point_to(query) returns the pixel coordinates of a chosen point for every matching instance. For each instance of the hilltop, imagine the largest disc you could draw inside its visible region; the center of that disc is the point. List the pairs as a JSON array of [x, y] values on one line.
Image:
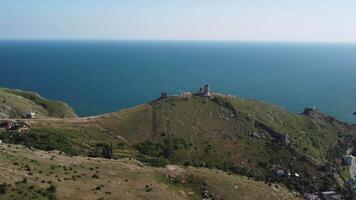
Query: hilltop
[[241, 136], [15, 103]]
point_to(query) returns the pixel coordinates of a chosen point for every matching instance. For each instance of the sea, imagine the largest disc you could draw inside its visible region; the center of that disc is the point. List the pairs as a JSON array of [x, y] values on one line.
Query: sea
[[96, 77]]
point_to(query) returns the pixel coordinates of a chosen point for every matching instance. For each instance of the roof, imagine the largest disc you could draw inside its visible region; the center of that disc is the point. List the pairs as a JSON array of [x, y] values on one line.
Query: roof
[[328, 192]]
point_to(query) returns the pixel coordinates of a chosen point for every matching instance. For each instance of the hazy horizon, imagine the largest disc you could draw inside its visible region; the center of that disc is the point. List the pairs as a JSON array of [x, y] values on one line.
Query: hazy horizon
[[212, 20], [170, 40]]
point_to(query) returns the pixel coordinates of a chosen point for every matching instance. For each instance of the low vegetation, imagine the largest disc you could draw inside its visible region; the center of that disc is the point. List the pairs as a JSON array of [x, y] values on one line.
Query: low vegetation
[[35, 174], [14, 103], [237, 136]]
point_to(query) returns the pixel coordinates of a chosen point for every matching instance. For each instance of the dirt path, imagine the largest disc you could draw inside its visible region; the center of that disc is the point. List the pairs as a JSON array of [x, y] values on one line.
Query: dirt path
[[49, 119], [353, 167]]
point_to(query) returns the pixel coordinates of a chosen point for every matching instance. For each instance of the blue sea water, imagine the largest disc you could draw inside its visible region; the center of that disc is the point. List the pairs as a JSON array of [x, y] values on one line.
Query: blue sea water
[[101, 76]]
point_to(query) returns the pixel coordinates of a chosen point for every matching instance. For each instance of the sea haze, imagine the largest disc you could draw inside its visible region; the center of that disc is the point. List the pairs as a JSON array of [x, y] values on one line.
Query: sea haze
[[102, 76]]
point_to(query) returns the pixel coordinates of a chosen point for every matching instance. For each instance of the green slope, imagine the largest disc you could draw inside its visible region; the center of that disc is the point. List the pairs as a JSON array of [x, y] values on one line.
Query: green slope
[[14, 103], [240, 136]]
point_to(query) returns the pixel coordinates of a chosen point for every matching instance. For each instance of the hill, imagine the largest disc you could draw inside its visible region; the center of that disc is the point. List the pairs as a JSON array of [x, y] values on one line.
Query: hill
[[14, 103], [254, 139], [34, 174]]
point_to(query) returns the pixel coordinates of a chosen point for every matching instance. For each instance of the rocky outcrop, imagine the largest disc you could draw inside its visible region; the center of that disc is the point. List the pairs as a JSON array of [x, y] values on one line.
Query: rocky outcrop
[[325, 120]]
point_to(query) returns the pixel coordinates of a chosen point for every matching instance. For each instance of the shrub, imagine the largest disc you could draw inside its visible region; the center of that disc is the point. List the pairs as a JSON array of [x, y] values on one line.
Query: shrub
[[148, 188], [101, 150], [51, 189], [3, 188], [95, 176]]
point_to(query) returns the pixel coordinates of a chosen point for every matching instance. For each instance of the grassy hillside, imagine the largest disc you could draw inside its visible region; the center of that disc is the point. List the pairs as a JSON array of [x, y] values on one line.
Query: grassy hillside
[[307, 132], [245, 137], [14, 103], [34, 174]]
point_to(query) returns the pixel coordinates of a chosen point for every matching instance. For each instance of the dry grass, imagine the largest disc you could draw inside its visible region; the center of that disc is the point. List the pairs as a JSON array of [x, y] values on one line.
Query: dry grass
[[87, 178]]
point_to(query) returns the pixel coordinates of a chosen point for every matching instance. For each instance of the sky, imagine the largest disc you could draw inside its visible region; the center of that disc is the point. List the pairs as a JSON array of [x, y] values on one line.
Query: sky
[[240, 20]]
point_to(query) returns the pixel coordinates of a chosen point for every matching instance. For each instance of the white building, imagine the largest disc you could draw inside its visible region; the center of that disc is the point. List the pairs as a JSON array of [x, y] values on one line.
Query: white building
[[31, 115]]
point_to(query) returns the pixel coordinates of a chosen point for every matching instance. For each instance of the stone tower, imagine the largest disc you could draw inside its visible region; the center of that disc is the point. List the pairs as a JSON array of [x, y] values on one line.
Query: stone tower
[[206, 91]]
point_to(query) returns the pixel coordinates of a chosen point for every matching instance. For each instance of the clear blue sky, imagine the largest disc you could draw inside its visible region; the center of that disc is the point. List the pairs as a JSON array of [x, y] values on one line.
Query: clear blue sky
[[247, 20]]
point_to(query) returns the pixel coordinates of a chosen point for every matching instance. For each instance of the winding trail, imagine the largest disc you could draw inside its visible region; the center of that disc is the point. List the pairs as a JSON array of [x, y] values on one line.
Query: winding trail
[[78, 119], [353, 167]]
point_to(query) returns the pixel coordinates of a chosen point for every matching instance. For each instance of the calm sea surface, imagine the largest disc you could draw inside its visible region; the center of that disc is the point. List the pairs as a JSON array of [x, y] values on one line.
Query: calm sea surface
[[97, 77]]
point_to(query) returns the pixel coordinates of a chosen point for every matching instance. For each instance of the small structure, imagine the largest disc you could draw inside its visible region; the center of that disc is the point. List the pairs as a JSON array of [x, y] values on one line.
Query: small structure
[[15, 127], [330, 195], [283, 173], [280, 173], [164, 95], [6, 124], [347, 160], [30, 115], [186, 94], [310, 196], [204, 92]]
